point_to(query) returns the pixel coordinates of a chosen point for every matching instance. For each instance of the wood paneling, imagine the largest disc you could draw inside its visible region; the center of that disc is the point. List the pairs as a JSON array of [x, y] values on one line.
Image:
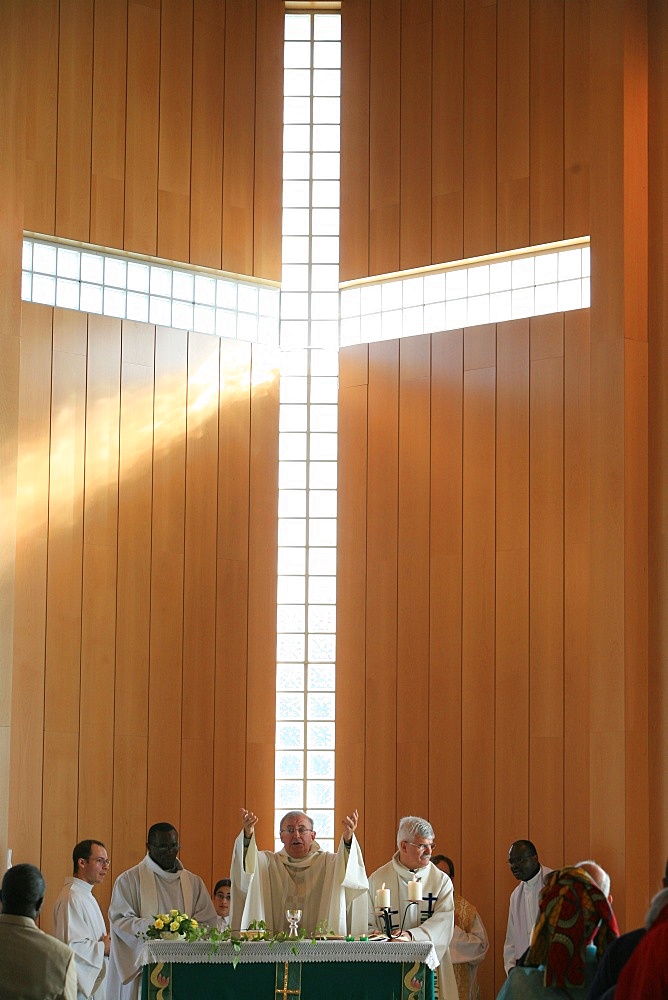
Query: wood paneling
[[447, 139], [141, 127], [175, 129], [384, 137], [416, 160], [512, 165], [208, 87], [547, 121], [480, 129], [75, 98], [268, 140], [40, 26], [355, 43], [108, 124]]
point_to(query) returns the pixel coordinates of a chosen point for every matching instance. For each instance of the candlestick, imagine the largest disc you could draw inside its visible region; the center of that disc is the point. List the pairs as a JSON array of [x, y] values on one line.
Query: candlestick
[[415, 890]]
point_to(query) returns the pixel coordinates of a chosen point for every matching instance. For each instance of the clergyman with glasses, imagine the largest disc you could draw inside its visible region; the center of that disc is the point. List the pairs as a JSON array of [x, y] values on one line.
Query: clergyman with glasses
[[523, 909], [78, 920], [329, 889], [158, 884], [421, 898]]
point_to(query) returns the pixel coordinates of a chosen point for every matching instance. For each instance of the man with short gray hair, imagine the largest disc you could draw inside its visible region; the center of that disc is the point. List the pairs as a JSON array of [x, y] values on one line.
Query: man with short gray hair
[[422, 895]]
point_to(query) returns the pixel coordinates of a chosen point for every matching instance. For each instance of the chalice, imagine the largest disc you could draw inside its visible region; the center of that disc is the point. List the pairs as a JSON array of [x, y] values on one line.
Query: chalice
[[294, 916]]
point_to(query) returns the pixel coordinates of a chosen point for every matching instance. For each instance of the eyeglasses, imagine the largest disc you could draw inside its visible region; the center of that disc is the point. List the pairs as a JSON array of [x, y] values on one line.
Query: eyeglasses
[[102, 862], [223, 895], [301, 830], [422, 847]]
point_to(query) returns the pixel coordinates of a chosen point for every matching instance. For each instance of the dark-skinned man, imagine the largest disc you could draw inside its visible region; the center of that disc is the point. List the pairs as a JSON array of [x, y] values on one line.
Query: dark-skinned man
[[523, 909]]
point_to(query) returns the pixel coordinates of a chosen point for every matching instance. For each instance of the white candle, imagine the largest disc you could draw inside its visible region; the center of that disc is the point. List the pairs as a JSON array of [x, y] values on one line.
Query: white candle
[[383, 898], [415, 890]]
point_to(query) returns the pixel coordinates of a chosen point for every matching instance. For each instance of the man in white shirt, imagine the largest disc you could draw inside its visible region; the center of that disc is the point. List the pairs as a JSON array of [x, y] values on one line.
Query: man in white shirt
[[78, 920], [523, 909]]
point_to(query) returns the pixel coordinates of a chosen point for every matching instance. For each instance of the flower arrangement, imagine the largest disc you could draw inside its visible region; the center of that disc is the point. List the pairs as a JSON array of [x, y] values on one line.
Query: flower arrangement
[[173, 925]]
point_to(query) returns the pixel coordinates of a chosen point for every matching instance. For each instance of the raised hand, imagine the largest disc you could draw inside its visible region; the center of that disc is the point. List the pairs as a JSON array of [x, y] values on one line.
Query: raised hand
[[249, 820], [350, 825]]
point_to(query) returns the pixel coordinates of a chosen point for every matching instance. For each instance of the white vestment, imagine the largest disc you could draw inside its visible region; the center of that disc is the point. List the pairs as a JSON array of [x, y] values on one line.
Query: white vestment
[[139, 894], [78, 921], [329, 889], [437, 928], [522, 913]]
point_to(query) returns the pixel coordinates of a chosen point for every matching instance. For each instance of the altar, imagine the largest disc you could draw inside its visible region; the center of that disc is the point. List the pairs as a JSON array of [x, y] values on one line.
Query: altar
[[307, 970]]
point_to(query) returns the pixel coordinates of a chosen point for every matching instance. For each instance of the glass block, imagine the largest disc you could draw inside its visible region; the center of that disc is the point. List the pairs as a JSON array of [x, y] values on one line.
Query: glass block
[[325, 249], [44, 289], [324, 334], [226, 323], [370, 299], [297, 54], [296, 27], [413, 321], [67, 293], [323, 447], [325, 364], [586, 293], [286, 793], [456, 284], [327, 83], [138, 276], [322, 561], [321, 618], [92, 268], [290, 764], [569, 265], [478, 280], [290, 618], [296, 222], [321, 648], [291, 589], [323, 418], [325, 278], [26, 255], [324, 305], [326, 54], [161, 280], [247, 327], [226, 294], [289, 736], [290, 677], [291, 447], [434, 287], [295, 249], [321, 676], [326, 138], [391, 325], [545, 299], [391, 297], [323, 475], [569, 295], [320, 735], [294, 335], [294, 277], [455, 314], [327, 26], [115, 272], [351, 331], [478, 310], [91, 298], [269, 302], [434, 317], [297, 138], [247, 298], [326, 844], [292, 503], [291, 561], [44, 258], [586, 262], [322, 531], [182, 315], [326, 166], [268, 330], [292, 475], [327, 110], [413, 292], [26, 286], [323, 823], [523, 272], [292, 417], [292, 531], [322, 590], [319, 794], [500, 306], [204, 319], [296, 166], [500, 276], [320, 764], [296, 83], [289, 707], [183, 285], [297, 110], [546, 268], [205, 290], [322, 503], [522, 302], [320, 705], [294, 305], [350, 302], [69, 261], [296, 194], [114, 302]]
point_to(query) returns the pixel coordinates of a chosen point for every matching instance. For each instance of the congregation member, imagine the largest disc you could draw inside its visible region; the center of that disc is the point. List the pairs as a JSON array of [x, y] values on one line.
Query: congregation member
[[523, 907], [574, 926], [469, 943], [33, 965], [157, 884], [433, 918], [645, 975], [221, 899], [78, 920], [329, 889]]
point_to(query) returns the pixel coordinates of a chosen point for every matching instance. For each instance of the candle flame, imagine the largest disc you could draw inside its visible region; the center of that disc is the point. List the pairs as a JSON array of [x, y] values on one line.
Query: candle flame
[[383, 886]]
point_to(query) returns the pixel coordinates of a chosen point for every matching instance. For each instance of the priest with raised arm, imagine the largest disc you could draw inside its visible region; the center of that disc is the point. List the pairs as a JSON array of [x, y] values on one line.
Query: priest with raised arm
[[329, 889], [158, 884]]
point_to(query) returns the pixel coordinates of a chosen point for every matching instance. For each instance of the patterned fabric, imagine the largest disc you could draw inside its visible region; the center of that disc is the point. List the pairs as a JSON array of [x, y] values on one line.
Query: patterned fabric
[[465, 914], [573, 911]]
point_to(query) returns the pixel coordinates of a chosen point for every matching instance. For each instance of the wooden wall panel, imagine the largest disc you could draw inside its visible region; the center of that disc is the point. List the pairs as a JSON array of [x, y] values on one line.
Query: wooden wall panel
[[547, 121], [75, 87], [141, 127], [268, 140], [41, 40], [577, 172], [59, 814], [175, 129], [416, 74], [355, 133], [447, 139], [480, 130], [108, 124], [208, 88], [512, 165], [384, 137]]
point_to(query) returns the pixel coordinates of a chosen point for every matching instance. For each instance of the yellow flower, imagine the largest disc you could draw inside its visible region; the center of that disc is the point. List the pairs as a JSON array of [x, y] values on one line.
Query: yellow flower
[[193, 922], [173, 913], [158, 924], [174, 926]]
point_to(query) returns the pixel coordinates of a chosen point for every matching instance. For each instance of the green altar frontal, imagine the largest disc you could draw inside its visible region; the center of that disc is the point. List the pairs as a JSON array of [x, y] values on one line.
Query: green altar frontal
[[336, 970]]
